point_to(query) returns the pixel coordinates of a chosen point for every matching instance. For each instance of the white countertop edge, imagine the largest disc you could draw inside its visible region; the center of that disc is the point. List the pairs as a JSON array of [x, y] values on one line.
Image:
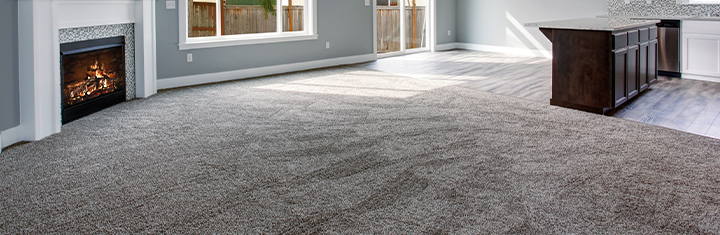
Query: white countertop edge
[[578, 24]]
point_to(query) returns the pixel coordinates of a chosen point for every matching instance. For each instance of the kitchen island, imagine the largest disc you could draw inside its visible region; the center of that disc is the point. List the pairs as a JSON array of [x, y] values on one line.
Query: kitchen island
[[600, 64]]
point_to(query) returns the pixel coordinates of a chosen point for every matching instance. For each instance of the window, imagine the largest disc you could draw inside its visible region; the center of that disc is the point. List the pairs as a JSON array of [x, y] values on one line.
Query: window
[[401, 25], [217, 23]]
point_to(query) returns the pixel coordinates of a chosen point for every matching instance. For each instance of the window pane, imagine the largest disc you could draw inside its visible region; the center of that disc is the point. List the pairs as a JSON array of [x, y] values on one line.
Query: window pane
[[249, 16], [415, 24], [293, 15], [388, 26], [387, 2], [201, 18]]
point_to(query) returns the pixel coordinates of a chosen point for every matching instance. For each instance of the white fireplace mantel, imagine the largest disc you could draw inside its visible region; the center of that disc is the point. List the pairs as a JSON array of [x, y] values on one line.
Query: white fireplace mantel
[[39, 55]]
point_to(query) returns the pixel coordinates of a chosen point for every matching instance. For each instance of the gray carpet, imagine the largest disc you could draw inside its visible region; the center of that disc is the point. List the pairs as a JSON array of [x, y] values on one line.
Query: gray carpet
[[352, 150]]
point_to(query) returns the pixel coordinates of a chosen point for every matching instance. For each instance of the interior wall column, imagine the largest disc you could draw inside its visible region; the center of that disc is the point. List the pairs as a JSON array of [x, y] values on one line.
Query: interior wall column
[[39, 109]]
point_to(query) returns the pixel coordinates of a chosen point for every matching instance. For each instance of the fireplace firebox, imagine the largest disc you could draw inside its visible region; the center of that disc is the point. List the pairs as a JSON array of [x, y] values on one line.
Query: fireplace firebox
[[93, 76]]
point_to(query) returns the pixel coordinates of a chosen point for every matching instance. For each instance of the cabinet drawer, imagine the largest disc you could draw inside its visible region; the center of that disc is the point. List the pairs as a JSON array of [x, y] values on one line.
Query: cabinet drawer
[[653, 33], [701, 27], [644, 35], [633, 37], [620, 40]]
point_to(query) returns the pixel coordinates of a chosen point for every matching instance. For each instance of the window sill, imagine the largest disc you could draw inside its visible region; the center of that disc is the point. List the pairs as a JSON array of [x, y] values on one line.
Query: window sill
[[212, 42]]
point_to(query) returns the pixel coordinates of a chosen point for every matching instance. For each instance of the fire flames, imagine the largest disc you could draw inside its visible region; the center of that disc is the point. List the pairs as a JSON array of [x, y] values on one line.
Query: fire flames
[[97, 82]]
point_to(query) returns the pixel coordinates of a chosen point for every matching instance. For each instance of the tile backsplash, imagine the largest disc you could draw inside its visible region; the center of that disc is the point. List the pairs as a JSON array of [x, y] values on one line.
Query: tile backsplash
[[659, 8]]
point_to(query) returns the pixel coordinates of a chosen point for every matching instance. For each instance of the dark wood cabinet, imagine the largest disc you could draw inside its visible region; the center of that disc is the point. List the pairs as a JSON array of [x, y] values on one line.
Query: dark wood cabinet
[[598, 71], [628, 64]]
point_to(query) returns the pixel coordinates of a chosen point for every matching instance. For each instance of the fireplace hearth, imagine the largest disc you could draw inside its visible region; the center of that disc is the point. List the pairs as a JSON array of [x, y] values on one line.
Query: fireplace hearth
[[93, 76]]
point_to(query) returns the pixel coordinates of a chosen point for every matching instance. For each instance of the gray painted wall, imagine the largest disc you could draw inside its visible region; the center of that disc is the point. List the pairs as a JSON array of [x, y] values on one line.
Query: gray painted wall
[[346, 24], [9, 78], [489, 22], [446, 20]]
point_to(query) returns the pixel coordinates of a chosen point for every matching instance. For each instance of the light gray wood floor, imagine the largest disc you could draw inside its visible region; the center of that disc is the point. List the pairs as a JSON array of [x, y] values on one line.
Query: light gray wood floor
[[681, 104], [518, 76]]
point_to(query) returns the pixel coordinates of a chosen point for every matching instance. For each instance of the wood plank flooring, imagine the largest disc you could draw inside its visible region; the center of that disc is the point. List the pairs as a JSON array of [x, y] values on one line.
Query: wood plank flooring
[[682, 104], [518, 76]]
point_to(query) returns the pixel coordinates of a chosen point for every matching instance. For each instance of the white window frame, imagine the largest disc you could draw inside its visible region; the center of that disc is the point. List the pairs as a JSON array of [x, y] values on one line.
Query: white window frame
[[188, 43]]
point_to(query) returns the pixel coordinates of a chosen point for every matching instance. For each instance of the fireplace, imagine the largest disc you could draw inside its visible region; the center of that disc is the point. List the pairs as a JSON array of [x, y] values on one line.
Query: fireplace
[[44, 25], [93, 76]]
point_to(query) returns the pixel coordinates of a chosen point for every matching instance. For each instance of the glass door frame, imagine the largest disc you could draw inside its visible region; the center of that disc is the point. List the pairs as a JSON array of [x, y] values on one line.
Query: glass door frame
[[430, 15]]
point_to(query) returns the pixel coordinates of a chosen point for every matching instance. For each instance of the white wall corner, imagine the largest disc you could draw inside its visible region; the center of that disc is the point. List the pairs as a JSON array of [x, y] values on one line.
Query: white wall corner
[[446, 46], [39, 99], [11, 136], [145, 60]]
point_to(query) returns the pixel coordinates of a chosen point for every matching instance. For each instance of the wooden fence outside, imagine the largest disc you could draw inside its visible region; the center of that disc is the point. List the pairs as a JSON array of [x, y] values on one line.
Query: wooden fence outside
[[202, 22], [251, 19], [239, 19], [388, 28]]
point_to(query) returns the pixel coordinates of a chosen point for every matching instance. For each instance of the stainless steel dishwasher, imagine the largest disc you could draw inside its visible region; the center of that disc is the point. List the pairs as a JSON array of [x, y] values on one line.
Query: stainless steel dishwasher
[[669, 48]]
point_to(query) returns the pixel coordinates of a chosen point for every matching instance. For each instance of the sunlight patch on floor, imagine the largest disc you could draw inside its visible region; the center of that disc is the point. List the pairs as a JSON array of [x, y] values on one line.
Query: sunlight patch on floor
[[361, 83]]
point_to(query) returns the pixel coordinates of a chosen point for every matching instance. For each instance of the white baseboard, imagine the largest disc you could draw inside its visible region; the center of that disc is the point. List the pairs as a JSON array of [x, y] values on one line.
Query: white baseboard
[[701, 77], [257, 72], [446, 46], [10, 136], [506, 50]]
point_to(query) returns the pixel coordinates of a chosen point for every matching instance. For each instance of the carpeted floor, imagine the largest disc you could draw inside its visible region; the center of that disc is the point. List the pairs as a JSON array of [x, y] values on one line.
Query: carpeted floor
[[352, 150]]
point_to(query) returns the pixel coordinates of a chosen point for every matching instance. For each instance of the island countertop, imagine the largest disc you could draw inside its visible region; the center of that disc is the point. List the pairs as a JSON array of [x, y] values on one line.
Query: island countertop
[[597, 24], [665, 17]]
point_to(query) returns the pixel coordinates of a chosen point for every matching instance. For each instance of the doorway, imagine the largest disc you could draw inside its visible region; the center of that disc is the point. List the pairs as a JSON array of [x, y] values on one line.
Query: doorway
[[402, 31]]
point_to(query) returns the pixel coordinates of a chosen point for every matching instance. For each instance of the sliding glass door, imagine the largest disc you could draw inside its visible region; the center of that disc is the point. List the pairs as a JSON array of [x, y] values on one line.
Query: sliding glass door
[[401, 30], [415, 24]]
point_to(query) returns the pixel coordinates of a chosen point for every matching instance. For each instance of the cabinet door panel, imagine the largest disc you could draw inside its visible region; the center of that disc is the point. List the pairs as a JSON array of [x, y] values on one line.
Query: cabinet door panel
[[701, 48], [643, 67], [619, 75], [652, 61], [702, 54], [631, 72]]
